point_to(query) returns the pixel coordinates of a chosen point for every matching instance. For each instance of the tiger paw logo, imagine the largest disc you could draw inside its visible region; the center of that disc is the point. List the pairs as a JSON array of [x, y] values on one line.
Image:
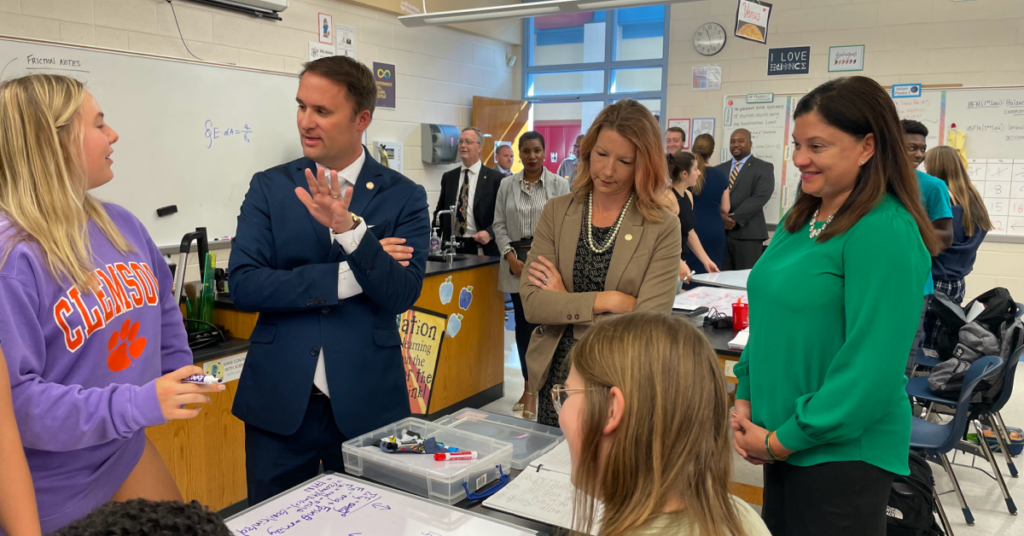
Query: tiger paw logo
[[123, 343]]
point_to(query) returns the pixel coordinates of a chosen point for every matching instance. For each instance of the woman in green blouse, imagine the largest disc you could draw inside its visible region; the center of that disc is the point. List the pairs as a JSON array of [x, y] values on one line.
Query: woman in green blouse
[[834, 302]]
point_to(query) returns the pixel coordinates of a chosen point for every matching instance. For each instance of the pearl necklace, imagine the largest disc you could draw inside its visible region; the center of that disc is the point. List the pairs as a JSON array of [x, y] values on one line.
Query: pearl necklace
[[615, 230], [816, 232]]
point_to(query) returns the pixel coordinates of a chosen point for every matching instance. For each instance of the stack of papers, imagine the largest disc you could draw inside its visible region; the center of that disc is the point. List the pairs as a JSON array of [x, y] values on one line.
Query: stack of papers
[[542, 492], [740, 342], [720, 299]]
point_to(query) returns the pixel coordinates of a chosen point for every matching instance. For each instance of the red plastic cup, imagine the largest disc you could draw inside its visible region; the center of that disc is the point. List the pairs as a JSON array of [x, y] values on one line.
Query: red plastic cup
[[740, 316]]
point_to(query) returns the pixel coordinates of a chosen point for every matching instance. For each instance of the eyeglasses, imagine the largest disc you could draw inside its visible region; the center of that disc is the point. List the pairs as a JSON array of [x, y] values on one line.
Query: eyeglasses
[[575, 146], [559, 394], [468, 142]]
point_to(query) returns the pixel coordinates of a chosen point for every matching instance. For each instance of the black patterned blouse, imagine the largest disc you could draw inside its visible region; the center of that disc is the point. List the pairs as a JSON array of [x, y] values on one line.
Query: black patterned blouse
[[589, 271]]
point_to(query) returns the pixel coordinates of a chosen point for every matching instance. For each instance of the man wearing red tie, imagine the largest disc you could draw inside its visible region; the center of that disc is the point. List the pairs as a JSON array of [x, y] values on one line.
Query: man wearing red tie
[[751, 183], [473, 189]]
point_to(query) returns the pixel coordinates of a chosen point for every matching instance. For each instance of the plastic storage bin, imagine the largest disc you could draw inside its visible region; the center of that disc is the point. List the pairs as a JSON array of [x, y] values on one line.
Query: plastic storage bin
[[419, 473], [529, 440]]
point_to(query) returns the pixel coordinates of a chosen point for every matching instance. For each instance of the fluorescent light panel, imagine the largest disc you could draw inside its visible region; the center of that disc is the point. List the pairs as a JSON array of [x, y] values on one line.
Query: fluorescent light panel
[[518, 11]]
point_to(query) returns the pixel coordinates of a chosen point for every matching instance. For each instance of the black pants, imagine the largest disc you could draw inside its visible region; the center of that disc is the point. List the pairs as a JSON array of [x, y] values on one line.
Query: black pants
[[524, 330], [276, 463], [469, 247], [741, 254], [829, 499]]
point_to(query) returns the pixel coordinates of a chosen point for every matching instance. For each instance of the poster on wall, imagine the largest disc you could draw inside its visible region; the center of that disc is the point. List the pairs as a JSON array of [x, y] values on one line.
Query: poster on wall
[[752, 20], [346, 36], [789, 60], [422, 333], [685, 125], [317, 51], [384, 75], [325, 26], [704, 126], [707, 78], [846, 58]]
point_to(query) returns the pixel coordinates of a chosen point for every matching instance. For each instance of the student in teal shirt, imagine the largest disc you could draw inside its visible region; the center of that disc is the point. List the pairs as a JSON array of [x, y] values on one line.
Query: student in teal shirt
[[820, 400], [935, 198]]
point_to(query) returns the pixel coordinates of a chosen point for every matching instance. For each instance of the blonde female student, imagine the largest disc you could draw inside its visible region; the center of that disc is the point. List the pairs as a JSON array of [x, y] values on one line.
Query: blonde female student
[[95, 344], [645, 415], [970, 225]]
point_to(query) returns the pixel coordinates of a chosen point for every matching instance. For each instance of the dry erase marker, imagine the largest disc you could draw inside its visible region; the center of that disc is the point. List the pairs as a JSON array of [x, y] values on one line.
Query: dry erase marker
[[451, 456], [202, 379]]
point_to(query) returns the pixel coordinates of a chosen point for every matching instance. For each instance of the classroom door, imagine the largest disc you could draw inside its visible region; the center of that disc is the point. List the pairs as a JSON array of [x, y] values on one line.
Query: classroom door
[[501, 120]]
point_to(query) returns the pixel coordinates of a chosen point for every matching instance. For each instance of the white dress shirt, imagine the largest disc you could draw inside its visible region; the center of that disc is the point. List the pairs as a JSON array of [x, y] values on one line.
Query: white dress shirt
[[474, 177], [349, 241]]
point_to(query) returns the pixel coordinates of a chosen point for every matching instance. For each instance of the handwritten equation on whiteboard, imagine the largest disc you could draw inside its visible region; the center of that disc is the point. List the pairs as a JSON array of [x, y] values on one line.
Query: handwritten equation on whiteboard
[[214, 132]]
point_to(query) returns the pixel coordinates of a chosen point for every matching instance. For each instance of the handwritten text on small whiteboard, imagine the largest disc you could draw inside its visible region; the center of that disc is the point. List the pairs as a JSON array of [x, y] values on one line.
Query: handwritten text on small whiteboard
[[333, 505]]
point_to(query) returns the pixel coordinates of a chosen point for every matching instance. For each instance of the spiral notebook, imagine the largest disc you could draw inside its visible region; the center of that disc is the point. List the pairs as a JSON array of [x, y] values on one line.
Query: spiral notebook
[[542, 492]]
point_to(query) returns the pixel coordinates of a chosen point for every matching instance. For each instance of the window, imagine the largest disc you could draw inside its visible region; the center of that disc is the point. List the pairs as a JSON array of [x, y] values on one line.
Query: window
[[565, 83], [577, 63]]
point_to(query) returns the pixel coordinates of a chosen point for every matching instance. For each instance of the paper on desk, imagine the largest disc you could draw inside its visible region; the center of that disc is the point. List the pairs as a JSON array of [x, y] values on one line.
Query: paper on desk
[[740, 342], [556, 460], [544, 496], [720, 299]]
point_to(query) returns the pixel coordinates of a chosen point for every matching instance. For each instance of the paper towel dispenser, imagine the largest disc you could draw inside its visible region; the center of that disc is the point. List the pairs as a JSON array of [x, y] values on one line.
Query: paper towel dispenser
[[439, 143]]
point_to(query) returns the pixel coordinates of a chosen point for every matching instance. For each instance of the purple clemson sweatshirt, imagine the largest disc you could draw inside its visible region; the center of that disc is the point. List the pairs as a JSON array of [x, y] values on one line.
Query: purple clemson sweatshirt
[[83, 365]]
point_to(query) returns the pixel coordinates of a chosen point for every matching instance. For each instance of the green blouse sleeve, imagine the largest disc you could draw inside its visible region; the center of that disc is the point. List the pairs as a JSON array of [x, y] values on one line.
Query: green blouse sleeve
[[884, 265], [742, 372]]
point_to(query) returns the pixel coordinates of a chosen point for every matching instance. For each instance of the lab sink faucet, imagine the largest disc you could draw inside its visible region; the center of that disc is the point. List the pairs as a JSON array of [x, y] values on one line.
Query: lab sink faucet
[[452, 243]]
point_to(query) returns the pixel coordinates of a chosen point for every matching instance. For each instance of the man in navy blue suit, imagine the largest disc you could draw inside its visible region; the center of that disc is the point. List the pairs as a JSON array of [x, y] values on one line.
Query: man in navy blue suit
[[329, 249]]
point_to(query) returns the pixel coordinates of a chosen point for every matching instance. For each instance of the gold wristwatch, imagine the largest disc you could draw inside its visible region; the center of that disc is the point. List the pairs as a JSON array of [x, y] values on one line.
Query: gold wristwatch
[[356, 220]]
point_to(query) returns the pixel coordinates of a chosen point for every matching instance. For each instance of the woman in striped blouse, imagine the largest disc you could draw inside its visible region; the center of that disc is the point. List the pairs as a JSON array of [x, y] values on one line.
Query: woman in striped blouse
[[521, 199]]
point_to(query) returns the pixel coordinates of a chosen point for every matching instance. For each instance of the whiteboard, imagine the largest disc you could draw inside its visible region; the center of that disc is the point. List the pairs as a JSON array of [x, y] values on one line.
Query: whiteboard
[[192, 134], [992, 118], [334, 505]]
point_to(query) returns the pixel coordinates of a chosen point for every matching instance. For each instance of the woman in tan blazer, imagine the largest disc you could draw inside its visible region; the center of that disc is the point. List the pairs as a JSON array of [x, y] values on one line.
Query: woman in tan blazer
[[607, 249]]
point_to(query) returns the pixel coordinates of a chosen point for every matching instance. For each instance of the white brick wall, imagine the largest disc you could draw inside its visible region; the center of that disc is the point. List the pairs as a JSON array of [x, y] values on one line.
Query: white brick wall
[[440, 70], [979, 43]]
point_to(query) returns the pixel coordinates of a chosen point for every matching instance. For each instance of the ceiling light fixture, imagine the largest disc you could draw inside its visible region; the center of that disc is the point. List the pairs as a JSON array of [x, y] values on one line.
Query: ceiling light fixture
[[519, 11]]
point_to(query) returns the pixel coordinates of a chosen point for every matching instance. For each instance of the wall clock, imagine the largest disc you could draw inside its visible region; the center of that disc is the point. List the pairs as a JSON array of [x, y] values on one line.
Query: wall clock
[[709, 39]]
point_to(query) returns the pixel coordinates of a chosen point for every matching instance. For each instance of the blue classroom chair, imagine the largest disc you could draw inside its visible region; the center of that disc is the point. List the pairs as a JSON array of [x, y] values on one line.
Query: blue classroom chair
[[936, 440]]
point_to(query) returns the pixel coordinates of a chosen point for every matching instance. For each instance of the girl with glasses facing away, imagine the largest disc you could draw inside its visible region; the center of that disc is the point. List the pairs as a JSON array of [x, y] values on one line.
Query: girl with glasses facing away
[[645, 413]]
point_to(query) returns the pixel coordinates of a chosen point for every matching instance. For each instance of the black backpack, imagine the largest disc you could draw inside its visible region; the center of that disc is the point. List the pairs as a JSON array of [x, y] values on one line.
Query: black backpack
[[911, 503], [999, 308], [995, 331]]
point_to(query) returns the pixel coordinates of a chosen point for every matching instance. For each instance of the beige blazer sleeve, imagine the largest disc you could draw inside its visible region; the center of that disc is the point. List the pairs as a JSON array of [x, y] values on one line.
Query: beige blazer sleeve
[[544, 306], [656, 291]]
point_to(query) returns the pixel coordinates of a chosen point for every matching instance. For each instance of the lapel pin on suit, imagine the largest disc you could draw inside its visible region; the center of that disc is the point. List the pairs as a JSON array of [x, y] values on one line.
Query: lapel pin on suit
[[629, 237], [369, 186]]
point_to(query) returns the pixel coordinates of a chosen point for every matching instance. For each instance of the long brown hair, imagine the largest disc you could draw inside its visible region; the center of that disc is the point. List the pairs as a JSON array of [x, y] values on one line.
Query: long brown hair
[[43, 180], [945, 163], [674, 440], [633, 121], [859, 106], [703, 147]]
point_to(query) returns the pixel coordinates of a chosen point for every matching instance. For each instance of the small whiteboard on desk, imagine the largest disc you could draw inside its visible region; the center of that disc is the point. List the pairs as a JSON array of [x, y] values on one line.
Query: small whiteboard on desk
[[334, 505]]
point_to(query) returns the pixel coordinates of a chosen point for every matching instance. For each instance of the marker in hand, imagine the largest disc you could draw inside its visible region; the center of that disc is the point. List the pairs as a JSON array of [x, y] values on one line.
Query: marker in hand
[[452, 456], [201, 379]]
